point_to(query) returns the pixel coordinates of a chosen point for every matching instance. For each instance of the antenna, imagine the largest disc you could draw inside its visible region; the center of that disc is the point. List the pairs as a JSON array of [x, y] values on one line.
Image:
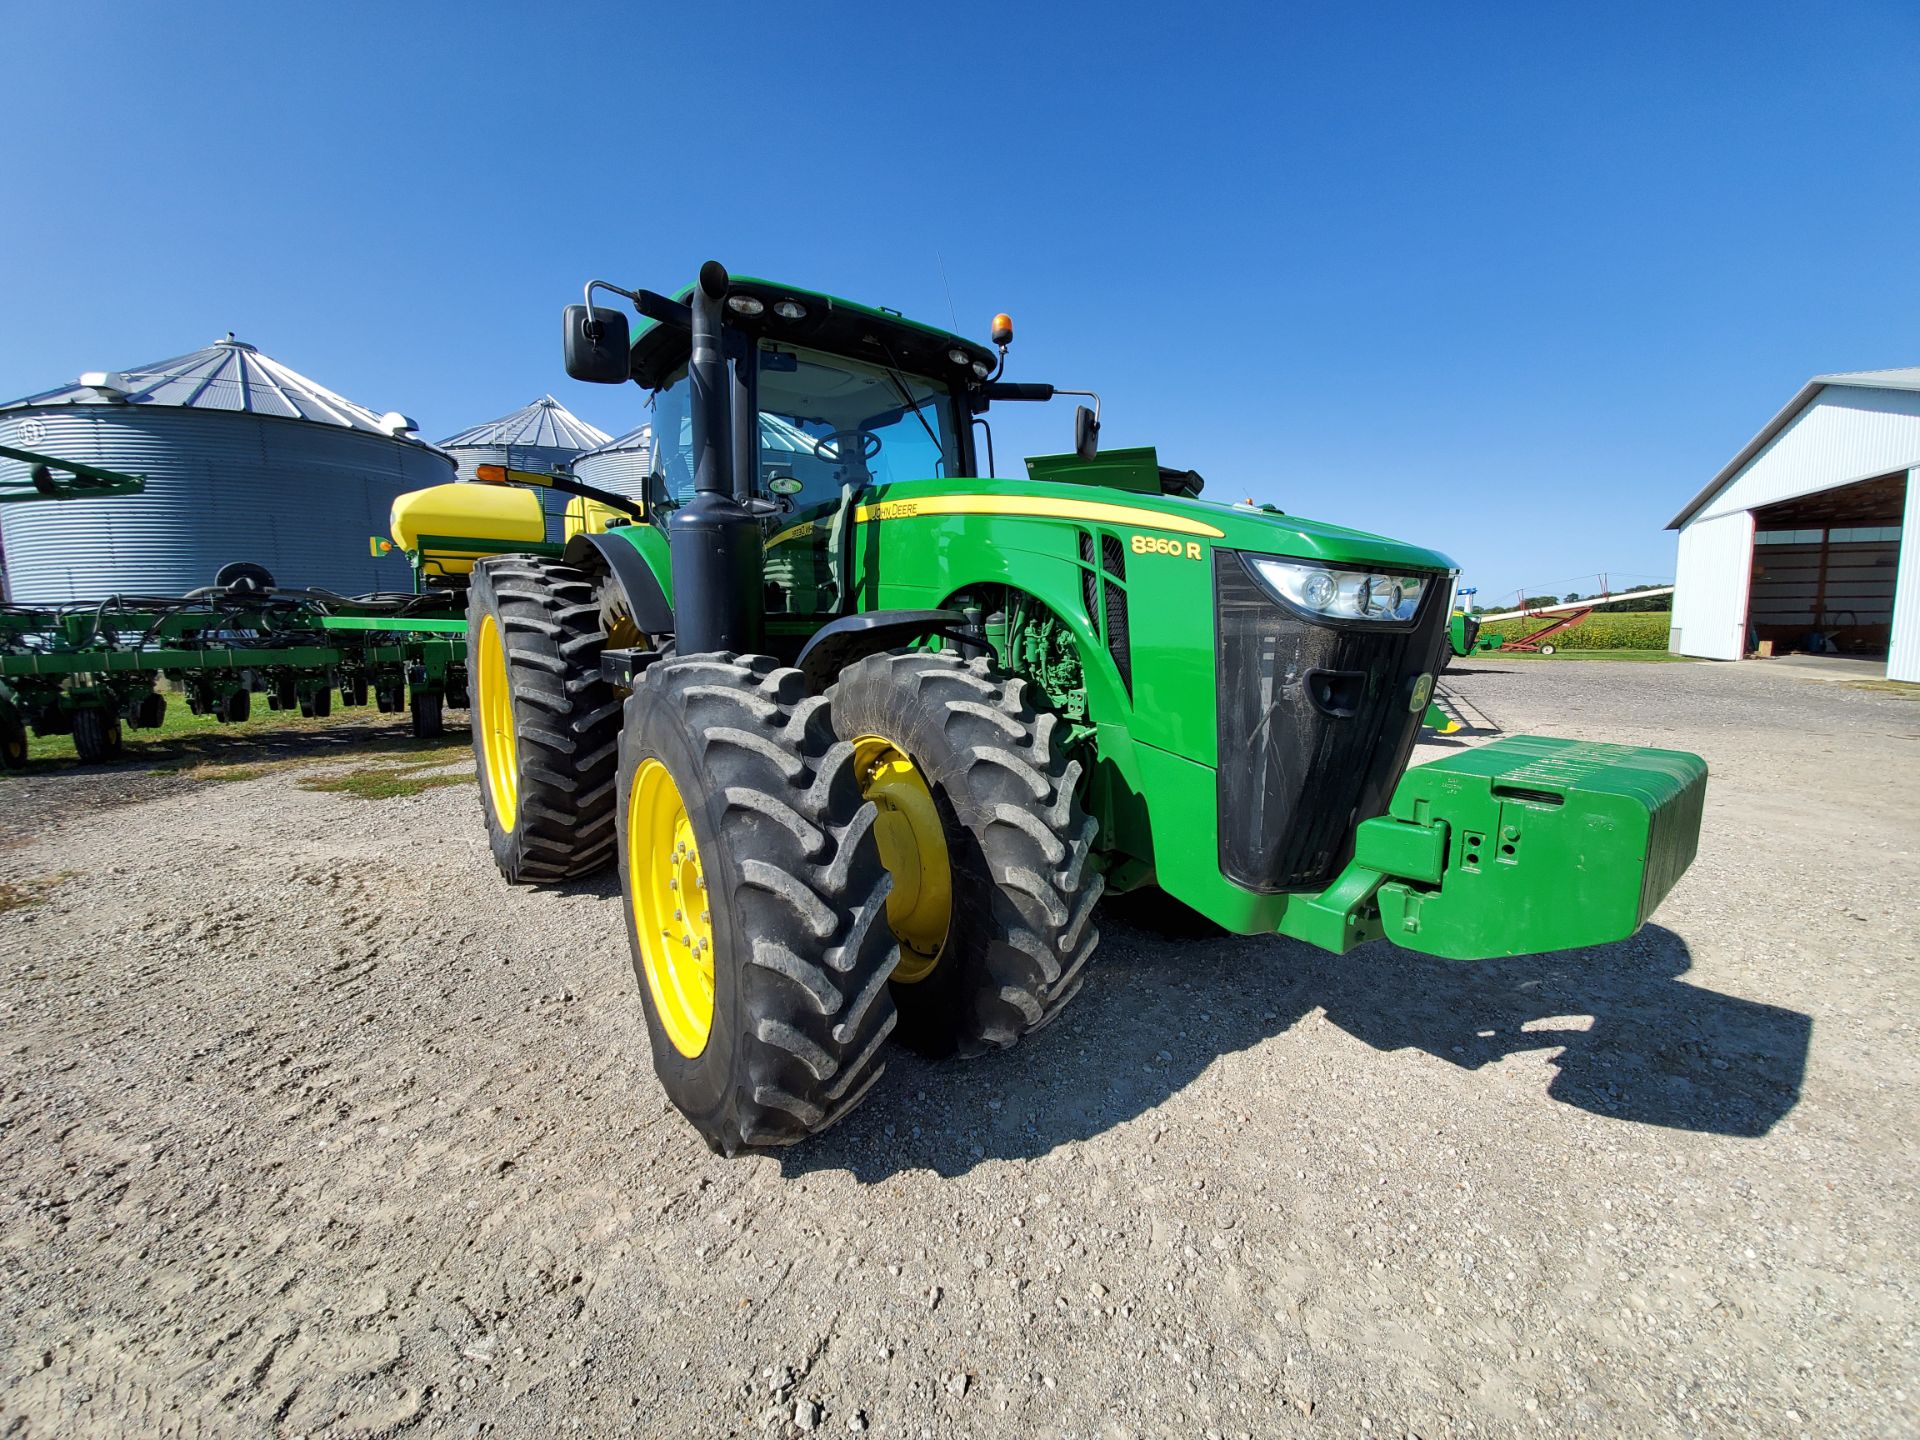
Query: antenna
[[949, 289]]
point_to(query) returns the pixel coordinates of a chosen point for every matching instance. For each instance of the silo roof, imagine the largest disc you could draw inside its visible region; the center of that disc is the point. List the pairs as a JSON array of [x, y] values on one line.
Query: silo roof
[[545, 424], [227, 375]]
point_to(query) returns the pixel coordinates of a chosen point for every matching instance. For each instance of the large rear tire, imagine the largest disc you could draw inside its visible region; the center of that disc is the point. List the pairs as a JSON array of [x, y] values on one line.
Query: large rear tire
[[1004, 837], [546, 727], [755, 900]]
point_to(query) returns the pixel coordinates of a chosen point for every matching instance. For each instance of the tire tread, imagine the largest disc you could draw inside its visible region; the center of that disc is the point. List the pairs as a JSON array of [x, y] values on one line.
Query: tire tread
[[566, 717], [814, 1007]]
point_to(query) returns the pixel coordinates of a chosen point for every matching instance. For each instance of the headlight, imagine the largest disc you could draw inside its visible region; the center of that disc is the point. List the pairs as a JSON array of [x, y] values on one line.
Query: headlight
[[744, 305], [1340, 594]]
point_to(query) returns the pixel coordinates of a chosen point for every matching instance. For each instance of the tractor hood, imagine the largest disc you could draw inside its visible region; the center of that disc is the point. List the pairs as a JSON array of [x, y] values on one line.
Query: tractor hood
[[1134, 479]]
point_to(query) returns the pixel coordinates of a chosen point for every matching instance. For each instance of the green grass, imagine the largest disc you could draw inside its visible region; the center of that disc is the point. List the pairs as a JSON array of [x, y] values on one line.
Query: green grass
[[1903, 689], [390, 782], [202, 748], [1643, 657], [387, 782], [182, 723]]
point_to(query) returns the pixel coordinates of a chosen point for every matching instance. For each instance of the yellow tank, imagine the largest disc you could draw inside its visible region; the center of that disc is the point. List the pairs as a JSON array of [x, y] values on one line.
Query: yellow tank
[[465, 511], [592, 517]]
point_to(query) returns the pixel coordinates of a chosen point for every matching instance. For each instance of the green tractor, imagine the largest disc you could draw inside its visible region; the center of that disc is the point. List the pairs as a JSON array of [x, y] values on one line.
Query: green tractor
[[868, 732]]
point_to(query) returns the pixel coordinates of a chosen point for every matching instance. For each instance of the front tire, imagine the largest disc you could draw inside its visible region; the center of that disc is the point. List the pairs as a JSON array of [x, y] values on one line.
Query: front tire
[[429, 715], [13, 738], [1011, 836], [96, 735], [755, 900], [546, 727]]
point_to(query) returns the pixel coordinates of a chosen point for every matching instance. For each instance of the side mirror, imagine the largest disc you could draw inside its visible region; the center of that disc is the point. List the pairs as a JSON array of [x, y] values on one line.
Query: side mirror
[[597, 346], [1086, 433]]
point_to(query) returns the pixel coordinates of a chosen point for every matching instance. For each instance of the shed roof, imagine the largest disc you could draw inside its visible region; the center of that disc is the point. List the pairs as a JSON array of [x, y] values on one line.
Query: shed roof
[[1905, 378], [546, 424], [226, 375]]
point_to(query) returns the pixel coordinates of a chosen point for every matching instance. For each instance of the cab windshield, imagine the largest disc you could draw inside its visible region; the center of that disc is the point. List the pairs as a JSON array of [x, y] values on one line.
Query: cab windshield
[[826, 421]]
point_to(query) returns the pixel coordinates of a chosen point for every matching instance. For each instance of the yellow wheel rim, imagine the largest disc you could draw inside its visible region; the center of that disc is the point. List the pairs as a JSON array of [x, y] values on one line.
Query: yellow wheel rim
[[913, 847], [671, 913], [498, 760]]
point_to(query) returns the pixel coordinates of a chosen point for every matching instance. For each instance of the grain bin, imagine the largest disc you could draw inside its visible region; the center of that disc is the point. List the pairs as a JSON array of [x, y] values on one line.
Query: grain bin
[[619, 465], [244, 458], [535, 437]]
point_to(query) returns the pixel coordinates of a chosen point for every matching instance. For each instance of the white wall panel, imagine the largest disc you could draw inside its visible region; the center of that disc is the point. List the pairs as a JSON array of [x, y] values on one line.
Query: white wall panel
[[1710, 587], [1903, 652]]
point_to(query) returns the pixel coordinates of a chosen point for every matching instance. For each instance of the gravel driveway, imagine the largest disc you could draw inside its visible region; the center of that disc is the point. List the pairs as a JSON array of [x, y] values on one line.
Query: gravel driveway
[[309, 1126]]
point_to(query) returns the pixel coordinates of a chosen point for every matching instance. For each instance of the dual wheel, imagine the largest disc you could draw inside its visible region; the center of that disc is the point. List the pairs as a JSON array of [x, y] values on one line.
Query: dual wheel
[[97, 736], [804, 875]]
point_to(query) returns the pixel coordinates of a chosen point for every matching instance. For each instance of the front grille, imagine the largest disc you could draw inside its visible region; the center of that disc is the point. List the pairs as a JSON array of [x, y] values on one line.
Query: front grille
[[1315, 727]]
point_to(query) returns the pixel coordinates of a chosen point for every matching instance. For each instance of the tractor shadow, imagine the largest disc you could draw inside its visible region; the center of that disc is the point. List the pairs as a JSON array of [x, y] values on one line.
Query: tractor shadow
[[1637, 1043], [1468, 739]]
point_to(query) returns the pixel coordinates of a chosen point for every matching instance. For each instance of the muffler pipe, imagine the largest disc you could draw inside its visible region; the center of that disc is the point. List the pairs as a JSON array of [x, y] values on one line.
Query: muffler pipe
[[708, 384], [715, 542]]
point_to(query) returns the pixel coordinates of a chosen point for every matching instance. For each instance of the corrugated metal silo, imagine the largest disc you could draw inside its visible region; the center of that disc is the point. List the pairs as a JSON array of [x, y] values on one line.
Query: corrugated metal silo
[[245, 459], [619, 465], [535, 437]]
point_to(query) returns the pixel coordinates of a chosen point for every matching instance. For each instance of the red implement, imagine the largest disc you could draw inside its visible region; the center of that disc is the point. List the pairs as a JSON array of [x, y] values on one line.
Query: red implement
[[1537, 642]]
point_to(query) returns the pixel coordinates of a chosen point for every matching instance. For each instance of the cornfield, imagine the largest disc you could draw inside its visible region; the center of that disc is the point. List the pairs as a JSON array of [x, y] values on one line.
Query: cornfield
[[1643, 631]]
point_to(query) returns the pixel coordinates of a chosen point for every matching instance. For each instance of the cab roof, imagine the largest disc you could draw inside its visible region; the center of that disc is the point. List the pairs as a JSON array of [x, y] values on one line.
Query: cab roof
[[840, 327]]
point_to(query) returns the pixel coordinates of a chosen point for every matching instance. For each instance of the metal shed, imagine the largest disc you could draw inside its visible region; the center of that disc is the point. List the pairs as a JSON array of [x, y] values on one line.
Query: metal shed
[[534, 437], [244, 458], [1798, 542]]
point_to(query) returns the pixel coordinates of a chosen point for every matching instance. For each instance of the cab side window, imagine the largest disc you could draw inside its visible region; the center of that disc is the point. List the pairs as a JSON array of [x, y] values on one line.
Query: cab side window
[[671, 479]]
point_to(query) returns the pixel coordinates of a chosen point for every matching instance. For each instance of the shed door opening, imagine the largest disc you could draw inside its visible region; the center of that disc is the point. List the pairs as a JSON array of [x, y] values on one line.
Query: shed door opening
[[1824, 568]]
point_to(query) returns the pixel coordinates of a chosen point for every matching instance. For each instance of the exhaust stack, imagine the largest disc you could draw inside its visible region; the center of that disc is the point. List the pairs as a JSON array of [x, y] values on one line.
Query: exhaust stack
[[719, 600]]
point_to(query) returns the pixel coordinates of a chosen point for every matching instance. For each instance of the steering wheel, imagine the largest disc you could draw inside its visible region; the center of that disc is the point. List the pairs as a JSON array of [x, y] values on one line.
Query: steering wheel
[[867, 445]]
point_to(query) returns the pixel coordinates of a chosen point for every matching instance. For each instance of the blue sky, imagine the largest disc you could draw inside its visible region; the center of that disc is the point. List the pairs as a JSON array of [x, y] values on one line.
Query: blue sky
[[1513, 281]]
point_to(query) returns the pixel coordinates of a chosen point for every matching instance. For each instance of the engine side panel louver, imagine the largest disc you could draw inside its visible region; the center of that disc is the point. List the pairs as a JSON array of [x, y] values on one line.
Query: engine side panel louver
[[1114, 561], [1089, 580]]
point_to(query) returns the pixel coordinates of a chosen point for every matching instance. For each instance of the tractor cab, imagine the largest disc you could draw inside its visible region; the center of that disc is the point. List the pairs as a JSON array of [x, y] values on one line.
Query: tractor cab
[[843, 395], [824, 423]]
